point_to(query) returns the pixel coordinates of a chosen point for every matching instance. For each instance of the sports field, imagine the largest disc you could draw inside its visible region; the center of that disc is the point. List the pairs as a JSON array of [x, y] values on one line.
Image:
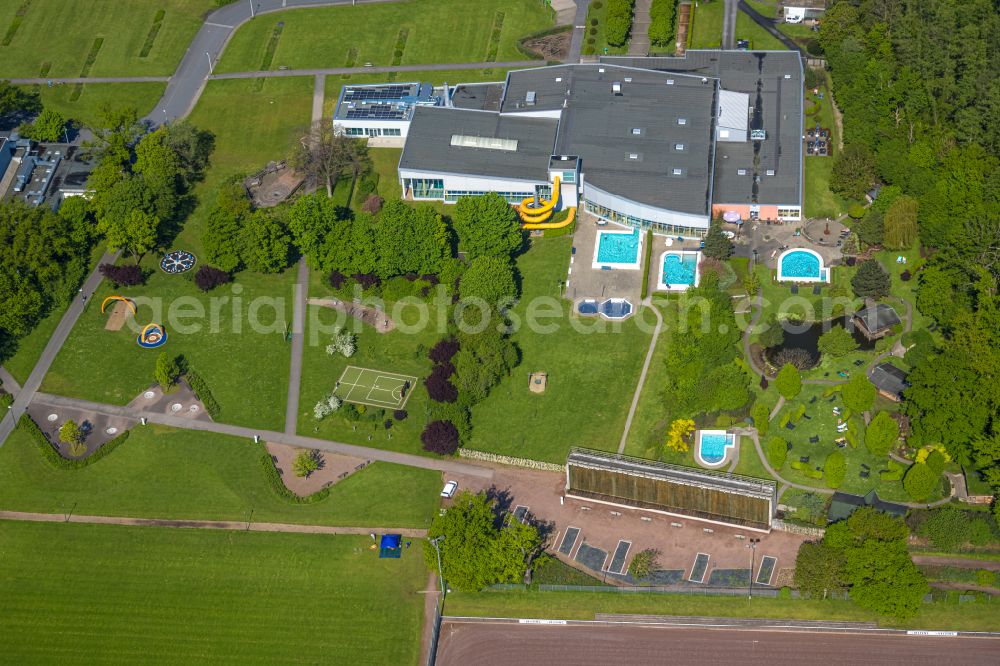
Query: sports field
[[376, 388], [76, 593]]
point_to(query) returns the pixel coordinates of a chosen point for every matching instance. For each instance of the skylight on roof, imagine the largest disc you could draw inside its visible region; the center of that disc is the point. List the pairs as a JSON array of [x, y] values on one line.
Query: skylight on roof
[[488, 142], [741, 172], [670, 82], [682, 121], [677, 171], [637, 131], [633, 156]]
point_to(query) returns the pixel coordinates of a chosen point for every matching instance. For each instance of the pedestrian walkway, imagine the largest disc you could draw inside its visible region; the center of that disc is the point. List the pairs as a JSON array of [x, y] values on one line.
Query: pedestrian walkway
[[579, 31], [298, 339], [233, 525], [638, 44]]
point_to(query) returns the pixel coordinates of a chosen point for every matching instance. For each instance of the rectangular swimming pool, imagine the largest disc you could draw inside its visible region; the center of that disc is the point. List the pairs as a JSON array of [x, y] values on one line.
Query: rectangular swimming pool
[[618, 249], [679, 270]]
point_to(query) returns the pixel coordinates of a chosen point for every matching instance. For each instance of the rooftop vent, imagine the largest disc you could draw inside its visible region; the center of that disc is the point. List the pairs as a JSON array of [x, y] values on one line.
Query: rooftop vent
[[628, 79], [677, 171], [637, 131], [670, 82], [530, 97], [558, 79], [616, 88], [600, 70], [788, 76], [770, 172], [682, 121], [704, 79], [488, 142], [634, 156], [741, 172]]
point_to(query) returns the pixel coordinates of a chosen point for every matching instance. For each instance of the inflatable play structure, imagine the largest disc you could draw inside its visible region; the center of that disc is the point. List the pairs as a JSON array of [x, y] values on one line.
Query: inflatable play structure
[[536, 214], [122, 299], [152, 336]]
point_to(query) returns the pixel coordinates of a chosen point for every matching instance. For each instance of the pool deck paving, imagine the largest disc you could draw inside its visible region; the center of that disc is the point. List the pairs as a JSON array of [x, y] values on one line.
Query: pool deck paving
[[584, 281]]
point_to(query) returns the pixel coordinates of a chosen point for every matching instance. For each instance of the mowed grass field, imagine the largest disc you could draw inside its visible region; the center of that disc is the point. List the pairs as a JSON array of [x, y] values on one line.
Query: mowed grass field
[[181, 474], [439, 31], [54, 37], [252, 127], [87, 108], [100, 593], [707, 28], [240, 351], [592, 373]]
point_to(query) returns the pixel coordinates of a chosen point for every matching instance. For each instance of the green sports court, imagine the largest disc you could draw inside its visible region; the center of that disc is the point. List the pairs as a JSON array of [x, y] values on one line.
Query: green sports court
[[375, 388]]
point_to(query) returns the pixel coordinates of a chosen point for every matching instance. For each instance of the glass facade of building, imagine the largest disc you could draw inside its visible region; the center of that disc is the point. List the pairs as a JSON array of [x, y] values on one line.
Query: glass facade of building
[[427, 188], [659, 227], [373, 131]]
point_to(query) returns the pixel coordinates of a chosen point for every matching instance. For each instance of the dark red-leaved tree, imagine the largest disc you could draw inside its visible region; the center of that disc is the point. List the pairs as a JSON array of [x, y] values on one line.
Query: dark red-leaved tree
[[128, 275], [438, 387], [400, 414], [444, 350], [337, 279], [210, 277], [440, 437]]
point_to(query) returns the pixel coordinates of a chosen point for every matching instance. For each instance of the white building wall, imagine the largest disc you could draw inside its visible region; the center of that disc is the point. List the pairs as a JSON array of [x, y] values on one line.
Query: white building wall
[[643, 211]]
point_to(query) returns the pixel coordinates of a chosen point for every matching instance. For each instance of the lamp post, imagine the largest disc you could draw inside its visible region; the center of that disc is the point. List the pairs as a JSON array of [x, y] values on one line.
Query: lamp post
[[753, 552], [434, 542]]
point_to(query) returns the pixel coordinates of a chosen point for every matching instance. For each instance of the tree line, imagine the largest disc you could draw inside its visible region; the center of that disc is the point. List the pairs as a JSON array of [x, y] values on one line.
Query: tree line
[[917, 82]]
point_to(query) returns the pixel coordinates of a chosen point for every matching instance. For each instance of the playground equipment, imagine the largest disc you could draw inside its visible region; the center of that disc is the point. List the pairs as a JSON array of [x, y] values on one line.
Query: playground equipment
[[571, 215], [130, 304], [152, 336], [533, 214], [177, 261]]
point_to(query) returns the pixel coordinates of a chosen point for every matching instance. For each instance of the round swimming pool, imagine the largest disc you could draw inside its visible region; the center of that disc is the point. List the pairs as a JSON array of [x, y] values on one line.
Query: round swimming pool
[[801, 266]]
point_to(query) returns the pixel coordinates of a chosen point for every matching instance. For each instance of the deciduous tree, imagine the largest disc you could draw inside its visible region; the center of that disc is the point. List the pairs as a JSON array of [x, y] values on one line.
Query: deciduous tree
[[871, 280], [837, 342], [882, 434], [487, 226], [788, 381]]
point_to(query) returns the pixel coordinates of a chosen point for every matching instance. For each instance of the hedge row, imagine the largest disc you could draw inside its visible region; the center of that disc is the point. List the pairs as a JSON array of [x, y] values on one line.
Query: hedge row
[[51, 454], [282, 491], [618, 23], [203, 393], [509, 460], [645, 263], [661, 26]]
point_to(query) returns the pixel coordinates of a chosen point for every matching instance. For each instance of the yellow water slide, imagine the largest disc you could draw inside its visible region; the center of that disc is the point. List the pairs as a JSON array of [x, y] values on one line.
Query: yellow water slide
[[554, 225], [536, 214]]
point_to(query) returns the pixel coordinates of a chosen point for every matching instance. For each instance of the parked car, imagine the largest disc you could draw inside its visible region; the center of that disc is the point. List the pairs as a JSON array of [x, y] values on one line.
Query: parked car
[[449, 489]]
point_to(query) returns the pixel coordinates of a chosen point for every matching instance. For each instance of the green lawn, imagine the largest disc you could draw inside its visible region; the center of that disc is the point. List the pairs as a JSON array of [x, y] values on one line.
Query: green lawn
[[241, 351], [707, 29], [86, 109], [820, 201], [760, 39], [585, 605], [61, 33], [591, 375], [186, 596], [397, 351], [251, 127], [165, 473], [768, 9], [440, 31], [600, 45]]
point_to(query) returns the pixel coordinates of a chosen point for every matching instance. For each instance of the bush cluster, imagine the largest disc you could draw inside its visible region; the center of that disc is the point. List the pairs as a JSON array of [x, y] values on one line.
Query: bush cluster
[[203, 393], [128, 275], [661, 26], [51, 454], [210, 277], [279, 488]]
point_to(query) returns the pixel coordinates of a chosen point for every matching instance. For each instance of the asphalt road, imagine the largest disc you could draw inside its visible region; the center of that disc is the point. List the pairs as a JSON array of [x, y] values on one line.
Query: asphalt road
[[439, 464], [188, 81], [524, 645], [729, 24]]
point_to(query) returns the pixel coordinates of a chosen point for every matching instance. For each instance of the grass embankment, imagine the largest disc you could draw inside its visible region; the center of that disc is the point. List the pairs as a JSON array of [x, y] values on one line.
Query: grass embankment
[[585, 605], [181, 474], [438, 31], [106, 593], [54, 37]]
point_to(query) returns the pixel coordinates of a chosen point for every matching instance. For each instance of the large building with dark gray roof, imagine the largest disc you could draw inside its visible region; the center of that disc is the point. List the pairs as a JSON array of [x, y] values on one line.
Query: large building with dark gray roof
[[658, 143], [760, 178]]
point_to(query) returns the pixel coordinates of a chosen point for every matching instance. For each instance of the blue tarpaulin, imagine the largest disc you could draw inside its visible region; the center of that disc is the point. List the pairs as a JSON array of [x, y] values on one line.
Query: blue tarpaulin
[[390, 546]]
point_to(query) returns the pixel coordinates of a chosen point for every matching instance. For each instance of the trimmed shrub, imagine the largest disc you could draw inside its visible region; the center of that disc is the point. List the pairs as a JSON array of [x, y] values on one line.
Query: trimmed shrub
[[210, 277], [373, 204], [51, 454], [835, 468], [777, 451], [279, 488], [440, 437], [128, 275], [920, 481], [202, 392], [400, 414], [788, 381], [760, 415]]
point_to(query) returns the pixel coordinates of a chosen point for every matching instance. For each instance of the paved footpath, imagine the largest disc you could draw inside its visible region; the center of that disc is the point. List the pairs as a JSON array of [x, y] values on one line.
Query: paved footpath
[[642, 376], [364, 452], [234, 525], [298, 344], [52, 348]]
